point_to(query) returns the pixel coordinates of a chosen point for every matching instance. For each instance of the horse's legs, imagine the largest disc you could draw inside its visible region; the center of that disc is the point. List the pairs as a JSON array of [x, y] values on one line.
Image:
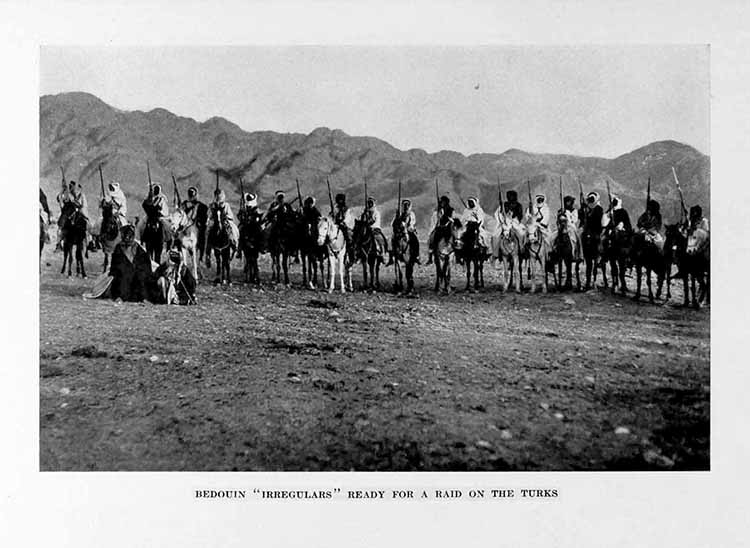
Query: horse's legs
[[285, 265], [621, 271], [543, 266], [648, 284], [410, 276], [344, 272], [447, 273], [693, 275], [578, 276], [79, 260]]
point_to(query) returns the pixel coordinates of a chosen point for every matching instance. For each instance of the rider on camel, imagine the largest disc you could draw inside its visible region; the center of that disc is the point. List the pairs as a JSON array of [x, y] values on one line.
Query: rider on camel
[[406, 221]]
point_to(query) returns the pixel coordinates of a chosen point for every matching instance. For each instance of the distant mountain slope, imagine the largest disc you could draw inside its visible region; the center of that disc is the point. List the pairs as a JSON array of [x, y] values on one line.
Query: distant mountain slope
[[79, 131]]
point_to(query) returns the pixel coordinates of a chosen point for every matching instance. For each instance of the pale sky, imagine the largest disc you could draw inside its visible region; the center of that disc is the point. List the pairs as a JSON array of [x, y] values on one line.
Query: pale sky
[[593, 100]]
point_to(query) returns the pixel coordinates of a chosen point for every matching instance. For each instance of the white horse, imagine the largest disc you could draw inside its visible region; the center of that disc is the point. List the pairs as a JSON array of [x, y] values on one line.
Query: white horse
[[185, 235], [332, 238], [508, 244], [537, 252]]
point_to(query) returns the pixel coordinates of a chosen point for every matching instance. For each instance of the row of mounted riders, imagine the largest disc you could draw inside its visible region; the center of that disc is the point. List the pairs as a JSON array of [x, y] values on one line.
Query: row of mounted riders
[[519, 241]]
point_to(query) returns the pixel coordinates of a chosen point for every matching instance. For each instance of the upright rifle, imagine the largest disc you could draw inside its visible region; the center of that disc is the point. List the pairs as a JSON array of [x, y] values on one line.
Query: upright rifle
[[176, 191], [299, 194], [528, 186], [242, 195], [150, 184], [648, 193], [609, 195], [330, 197], [398, 204], [581, 199], [437, 196], [562, 204], [101, 180], [684, 213], [500, 197]]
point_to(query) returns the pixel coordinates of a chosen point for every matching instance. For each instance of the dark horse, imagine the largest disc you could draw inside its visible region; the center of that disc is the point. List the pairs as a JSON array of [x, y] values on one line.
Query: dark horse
[[370, 248], [403, 252], [616, 246], [473, 253], [251, 245], [443, 246], [690, 251], [219, 239], [282, 244], [42, 234], [109, 232], [647, 256], [564, 251], [73, 233], [591, 244], [156, 234], [313, 255]]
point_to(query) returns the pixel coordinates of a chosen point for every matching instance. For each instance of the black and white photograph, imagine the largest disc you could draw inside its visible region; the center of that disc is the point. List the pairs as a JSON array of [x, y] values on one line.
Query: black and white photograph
[[375, 258]]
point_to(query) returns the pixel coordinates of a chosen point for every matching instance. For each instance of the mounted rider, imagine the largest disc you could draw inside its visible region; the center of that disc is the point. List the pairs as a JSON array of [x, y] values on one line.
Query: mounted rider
[[619, 217], [220, 215], [406, 221], [279, 210], [541, 214], [116, 198], [570, 213], [474, 214], [249, 212], [77, 198], [513, 208], [443, 217], [156, 208], [310, 212], [650, 224], [343, 218], [371, 217], [697, 220], [197, 212]]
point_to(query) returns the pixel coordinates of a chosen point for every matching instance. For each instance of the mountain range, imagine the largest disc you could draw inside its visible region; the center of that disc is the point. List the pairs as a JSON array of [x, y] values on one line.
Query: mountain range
[[79, 132]]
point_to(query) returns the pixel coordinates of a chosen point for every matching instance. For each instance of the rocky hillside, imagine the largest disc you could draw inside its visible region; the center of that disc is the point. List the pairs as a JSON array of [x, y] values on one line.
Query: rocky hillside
[[79, 132]]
